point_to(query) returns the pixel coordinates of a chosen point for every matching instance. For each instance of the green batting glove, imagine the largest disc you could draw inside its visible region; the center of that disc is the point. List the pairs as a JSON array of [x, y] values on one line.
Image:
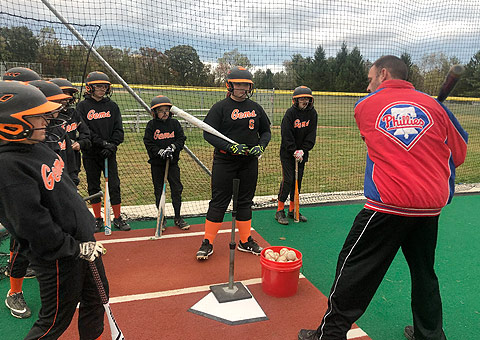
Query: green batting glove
[[238, 149], [257, 150]]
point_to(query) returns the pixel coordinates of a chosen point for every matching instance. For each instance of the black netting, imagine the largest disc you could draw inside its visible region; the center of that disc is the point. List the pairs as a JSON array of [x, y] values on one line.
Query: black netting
[[182, 49]]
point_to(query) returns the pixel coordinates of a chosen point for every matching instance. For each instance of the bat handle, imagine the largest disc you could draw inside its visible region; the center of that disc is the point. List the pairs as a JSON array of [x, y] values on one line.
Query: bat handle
[[98, 282]]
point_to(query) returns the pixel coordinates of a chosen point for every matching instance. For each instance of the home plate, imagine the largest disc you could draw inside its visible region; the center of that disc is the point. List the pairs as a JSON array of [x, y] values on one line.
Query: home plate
[[231, 313]]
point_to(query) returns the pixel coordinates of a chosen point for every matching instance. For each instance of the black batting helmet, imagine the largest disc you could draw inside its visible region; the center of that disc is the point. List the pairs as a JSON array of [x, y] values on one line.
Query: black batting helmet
[[19, 100], [51, 90], [94, 78], [159, 101], [67, 88], [302, 92], [21, 74], [239, 74]]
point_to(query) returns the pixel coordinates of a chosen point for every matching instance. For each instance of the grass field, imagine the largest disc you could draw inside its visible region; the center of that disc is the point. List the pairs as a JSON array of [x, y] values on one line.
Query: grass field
[[336, 163]]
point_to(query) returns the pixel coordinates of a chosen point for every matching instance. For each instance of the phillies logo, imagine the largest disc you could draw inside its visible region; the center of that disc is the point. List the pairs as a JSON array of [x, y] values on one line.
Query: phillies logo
[[236, 114], [298, 124], [50, 176], [158, 135], [404, 122], [97, 115]]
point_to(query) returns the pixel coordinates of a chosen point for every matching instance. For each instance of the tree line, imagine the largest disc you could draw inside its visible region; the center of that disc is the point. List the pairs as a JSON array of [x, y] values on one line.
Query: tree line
[[181, 65]]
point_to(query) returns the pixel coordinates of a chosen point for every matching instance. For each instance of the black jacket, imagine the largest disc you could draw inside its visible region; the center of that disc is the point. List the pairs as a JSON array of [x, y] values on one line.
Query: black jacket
[[159, 135], [299, 132], [104, 122], [39, 204]]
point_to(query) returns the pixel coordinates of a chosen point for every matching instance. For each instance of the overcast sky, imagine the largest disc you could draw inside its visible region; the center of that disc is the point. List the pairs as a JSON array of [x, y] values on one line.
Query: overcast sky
[[271, 31]]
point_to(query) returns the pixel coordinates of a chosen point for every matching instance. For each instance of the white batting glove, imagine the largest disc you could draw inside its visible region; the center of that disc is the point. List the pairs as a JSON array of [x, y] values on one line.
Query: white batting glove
[[91, 250], [298, 154]]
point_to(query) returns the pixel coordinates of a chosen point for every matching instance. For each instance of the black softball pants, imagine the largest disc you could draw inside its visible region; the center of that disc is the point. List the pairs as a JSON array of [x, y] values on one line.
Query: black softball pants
[[63, 284], [94, 168], [176, 187], [225, 169], [369, 249], [287, 187]]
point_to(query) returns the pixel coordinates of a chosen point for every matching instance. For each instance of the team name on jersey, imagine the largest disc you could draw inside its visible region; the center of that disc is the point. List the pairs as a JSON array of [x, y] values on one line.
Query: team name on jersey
[[404, 122], [236, 114], [71, 127], [52, 175], [297, 124], [98, 115], [165, 135], [62, 145]]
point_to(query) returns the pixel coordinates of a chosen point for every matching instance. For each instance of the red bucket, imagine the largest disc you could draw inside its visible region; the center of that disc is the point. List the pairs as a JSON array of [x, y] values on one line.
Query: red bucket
[[280, 279]]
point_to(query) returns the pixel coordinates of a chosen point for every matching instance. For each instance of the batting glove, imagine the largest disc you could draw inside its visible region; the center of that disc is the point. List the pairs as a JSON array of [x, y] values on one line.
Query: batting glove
[[298, 154], [110, 146], [89, 251], [256, 150], [106, 153], [168, 152], [238, 149]]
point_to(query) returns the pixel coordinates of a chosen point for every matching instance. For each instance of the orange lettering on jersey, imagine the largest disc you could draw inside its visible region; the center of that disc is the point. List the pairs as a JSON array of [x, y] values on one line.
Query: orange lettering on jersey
[[298, 124], [71, 127], [98, 115], [50, 176], [165, 135], [236, 114], [62, 145]]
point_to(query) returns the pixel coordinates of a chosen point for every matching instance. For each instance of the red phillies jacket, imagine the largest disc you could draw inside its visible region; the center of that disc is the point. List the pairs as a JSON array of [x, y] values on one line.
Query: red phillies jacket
[[414, 143]]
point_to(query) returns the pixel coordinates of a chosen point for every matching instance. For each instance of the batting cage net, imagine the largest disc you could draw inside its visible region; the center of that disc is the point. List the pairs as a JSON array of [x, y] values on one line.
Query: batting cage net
[[183, 49]]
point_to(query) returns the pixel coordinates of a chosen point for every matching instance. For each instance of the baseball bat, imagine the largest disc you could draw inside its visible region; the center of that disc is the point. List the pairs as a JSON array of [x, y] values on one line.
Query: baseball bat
[[106, 202], [114, 329], [161, 204], [296, 200], [450, 81], [198, 123], [91, 197]]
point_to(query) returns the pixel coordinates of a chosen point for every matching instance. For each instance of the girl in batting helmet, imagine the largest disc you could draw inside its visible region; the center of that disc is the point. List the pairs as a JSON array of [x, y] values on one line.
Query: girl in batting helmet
[[21, 74], [302, 92], [95, 80], [240, 75]]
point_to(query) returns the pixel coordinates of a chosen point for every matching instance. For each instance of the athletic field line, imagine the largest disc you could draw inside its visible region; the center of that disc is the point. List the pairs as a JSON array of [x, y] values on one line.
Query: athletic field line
[[152, 238]]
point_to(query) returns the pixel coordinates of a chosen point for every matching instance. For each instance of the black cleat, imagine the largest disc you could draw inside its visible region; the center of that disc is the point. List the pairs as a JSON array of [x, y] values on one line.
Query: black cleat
[[180, 222], [17, 305], [281, 218], [205, 250], [308, 334], [99, 224], [301, 218], [251, 246], [408, 332], [120, 223]]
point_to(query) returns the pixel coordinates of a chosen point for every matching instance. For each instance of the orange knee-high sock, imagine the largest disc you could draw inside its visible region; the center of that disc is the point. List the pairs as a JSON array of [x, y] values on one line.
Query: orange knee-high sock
[[281, 206], [291, 206], [15, 285], [97, 209], [211, 230], [244, 229], [116, 210], [99, 338]]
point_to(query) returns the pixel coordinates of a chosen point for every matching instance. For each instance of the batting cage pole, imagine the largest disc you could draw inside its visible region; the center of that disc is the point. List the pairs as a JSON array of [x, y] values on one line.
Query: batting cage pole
[[89, 47]]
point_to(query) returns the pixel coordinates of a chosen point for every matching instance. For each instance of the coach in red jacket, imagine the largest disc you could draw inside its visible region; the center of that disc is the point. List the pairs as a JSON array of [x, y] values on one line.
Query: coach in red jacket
[[414, 144]]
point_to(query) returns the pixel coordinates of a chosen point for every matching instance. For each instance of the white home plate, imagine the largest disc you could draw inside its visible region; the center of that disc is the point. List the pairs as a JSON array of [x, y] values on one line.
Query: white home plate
[[231, 313]]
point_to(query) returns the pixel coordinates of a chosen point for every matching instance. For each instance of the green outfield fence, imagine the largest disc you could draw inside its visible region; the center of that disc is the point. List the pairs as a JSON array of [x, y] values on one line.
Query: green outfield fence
[[182, 49]]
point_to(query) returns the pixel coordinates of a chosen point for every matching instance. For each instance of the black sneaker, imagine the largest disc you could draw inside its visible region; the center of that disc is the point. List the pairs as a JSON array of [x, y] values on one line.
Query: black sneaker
[[17, 305], [205, 250], [180, 222], [119, 223], [408, 332], [308, 334], [301, 218], [250, 246], [30, 274], [281, 218], [99, 224]]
